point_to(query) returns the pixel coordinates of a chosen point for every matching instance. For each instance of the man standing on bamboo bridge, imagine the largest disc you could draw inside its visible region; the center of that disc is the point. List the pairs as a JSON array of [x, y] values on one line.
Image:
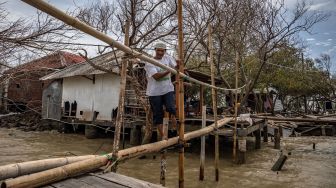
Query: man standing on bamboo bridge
[[160, 88]]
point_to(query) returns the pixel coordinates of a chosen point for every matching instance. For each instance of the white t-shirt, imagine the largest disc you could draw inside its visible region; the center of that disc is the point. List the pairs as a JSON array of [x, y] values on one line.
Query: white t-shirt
[[164, 85]]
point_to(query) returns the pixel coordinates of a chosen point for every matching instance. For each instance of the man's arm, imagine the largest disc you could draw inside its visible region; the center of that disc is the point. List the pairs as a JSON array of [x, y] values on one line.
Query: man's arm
[[159, 75]]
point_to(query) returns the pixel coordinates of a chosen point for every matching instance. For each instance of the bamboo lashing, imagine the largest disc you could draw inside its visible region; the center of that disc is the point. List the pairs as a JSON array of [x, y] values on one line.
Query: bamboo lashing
[[74, 22]]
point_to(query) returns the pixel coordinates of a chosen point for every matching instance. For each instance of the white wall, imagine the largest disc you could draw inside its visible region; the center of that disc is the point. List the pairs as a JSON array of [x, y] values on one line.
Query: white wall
[[103, 96]]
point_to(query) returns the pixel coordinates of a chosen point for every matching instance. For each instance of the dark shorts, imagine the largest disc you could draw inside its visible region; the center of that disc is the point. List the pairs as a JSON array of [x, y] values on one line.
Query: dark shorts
[[157, 102]]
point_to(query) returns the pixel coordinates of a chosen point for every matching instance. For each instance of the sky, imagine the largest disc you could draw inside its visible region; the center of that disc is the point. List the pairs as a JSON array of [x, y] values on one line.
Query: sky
[[321, 40]]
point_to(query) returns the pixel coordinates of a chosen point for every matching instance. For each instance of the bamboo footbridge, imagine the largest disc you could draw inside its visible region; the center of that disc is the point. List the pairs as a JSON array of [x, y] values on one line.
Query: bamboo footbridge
[[48, 171], [62, 168]]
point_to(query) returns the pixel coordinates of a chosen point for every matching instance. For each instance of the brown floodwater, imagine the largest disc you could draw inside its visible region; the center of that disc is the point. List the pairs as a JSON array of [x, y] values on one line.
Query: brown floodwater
[[305, 167]]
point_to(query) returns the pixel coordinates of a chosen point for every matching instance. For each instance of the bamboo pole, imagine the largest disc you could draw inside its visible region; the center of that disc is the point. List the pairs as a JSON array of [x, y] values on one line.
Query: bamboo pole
[[77, 168], [74, 22], [181, 94], [201, 104], [24, 168], [214, 102], [121, 109], [202, 158], [234, 149], [330, 122], [163, 163]]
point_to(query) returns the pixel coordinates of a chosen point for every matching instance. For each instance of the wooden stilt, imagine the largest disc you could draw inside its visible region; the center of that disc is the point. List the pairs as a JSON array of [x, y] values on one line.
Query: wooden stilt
[[241, 150], [276, 138], [265, 132], [280, 131], [135, 136], [202, 158], [181, 94], [257, 134], [323, 131], [333, 131]]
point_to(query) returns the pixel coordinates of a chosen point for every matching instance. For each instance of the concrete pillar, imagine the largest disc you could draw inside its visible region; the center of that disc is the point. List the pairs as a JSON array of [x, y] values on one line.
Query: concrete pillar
[[242, 148]]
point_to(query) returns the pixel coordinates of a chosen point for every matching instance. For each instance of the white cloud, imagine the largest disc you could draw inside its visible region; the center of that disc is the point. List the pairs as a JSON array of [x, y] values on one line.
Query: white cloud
[[326, 5], [310, 39], [330, 39], [331, 50], [318, 6]]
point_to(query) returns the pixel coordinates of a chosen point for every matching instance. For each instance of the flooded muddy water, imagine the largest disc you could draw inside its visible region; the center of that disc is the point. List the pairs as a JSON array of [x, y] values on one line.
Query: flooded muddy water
[[305, 167]]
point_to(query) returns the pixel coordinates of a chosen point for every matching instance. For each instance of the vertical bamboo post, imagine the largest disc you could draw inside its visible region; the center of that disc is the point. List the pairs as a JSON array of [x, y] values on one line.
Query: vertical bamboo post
[[265, 131], [181, 94], [202, 158], [214, 102], [201, 102], [120, 114], [234, 150], [163, 163]]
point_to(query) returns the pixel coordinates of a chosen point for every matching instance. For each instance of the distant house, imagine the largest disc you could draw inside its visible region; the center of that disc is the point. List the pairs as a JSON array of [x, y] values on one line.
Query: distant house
[[83, 92], [21, 87]]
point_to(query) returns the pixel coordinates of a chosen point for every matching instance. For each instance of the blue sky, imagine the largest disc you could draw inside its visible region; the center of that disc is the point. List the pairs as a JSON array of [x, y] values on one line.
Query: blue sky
[[322, 39]]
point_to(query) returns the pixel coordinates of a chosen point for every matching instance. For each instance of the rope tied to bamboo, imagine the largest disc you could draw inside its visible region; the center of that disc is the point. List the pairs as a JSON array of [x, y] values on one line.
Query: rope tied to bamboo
[[112, 162]]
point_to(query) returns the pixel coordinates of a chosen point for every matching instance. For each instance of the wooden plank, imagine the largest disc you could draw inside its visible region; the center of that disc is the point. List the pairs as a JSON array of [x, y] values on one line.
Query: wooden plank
[[330, 121], [250, 129], [99, 182], [127, 181], [224, 132], [71, 183]]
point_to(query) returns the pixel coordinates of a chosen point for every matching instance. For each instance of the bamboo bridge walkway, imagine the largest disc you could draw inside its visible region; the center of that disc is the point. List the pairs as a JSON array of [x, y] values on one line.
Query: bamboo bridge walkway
[[106, 180]]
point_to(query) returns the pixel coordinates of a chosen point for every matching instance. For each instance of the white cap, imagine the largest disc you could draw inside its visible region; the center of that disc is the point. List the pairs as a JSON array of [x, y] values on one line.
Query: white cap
[[160, 45]]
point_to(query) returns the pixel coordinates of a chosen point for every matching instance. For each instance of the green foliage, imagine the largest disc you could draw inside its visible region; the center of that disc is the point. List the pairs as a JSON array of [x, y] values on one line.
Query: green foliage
[[292, 75]]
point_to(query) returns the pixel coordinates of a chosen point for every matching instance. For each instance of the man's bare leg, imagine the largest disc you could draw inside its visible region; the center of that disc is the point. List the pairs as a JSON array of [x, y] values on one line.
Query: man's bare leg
[[161, 132], [174, 122]]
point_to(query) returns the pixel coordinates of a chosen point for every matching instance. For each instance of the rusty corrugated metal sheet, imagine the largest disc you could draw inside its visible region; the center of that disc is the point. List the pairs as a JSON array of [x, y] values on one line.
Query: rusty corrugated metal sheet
[[107, 61]]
